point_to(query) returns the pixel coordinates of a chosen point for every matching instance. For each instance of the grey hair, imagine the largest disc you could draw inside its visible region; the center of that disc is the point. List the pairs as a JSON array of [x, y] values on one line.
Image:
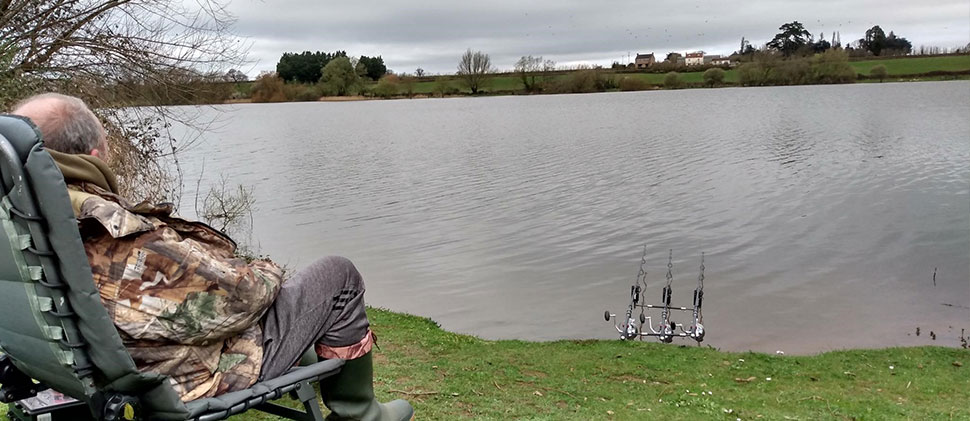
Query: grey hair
[[70, 127]]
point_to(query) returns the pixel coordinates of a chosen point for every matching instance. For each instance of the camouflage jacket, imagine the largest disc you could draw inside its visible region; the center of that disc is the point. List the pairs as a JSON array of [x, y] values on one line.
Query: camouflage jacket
[[184, 305]]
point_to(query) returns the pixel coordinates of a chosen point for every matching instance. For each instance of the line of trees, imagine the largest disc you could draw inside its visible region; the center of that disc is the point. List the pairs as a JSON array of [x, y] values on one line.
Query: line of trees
[[309, 75], [794, 40], [307, 67], [794, 56], [371, 67], [338, 77], [878, 43], [474, 71], [831, 66]]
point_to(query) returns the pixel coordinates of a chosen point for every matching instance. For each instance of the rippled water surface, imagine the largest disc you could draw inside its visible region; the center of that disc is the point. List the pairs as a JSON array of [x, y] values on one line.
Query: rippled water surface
[[824, 210]]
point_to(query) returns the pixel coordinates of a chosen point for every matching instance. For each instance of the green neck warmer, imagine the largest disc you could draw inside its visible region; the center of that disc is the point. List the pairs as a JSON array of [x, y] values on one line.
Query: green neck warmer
[[85, 169]]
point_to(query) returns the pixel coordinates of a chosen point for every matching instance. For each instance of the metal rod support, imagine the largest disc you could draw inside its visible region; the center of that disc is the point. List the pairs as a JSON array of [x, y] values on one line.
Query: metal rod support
[[671, 308]]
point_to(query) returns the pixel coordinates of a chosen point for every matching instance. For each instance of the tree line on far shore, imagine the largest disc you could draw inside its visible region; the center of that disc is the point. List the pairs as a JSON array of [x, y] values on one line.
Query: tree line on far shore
[[794, 56]]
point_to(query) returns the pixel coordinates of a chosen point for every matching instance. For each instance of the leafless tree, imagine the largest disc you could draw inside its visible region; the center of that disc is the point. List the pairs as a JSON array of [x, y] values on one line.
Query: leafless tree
[[115, 53], [474, 69], [532, 71], [237, 76], [228, 208]]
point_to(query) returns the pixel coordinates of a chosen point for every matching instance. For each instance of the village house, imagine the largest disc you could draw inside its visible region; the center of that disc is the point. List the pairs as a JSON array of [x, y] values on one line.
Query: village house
[[675, 59], [644, 60], [694, 59], [717, 60]]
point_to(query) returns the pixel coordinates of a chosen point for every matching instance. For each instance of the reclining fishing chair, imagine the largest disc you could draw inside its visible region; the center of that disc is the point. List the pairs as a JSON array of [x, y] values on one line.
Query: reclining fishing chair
[[53, 327]]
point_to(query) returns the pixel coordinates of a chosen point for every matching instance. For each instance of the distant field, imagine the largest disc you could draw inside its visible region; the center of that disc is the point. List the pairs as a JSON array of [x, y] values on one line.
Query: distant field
[[507, 83], [895, 66], [915, 65]]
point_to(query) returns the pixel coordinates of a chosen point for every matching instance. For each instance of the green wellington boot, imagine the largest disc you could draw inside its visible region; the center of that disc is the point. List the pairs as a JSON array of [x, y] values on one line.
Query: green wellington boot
[[350, 395]]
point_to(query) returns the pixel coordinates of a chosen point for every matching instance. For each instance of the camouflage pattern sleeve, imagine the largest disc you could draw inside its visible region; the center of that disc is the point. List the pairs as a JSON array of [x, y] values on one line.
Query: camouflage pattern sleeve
[[160, 283]]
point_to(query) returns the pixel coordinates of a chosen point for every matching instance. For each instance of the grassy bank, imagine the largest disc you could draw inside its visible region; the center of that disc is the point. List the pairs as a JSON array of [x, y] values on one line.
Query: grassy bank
[[449, 376]]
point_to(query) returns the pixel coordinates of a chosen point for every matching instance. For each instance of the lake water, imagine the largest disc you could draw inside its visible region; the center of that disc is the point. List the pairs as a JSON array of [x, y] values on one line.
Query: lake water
[[824, 211]]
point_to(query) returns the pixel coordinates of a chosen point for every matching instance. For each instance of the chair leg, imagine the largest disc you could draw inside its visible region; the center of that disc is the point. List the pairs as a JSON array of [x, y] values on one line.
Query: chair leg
[[308, 396]]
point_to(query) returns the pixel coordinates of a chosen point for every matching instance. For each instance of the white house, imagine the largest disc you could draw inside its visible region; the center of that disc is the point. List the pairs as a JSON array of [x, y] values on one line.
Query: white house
[[694, 59]]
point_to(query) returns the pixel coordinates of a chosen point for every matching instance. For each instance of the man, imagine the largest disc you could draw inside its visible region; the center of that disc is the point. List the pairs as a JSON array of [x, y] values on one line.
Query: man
[[186, 306]]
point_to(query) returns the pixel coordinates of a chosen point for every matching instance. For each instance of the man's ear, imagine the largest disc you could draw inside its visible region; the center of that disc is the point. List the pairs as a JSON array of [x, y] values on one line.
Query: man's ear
[[96, 153]]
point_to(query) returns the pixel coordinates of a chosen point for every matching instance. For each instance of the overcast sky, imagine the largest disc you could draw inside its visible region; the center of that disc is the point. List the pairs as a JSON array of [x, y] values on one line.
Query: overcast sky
[[433, 34]]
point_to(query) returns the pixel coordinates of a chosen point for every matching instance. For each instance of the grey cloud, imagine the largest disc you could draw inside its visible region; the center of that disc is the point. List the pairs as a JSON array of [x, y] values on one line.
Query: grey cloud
[[433, 34]]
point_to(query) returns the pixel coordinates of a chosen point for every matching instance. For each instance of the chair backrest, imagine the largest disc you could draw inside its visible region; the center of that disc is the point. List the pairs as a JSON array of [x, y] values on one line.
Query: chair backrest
[[52, 323]]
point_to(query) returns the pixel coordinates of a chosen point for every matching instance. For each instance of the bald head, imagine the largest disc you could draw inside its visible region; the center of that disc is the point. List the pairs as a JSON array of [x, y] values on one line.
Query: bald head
[[66, 123]]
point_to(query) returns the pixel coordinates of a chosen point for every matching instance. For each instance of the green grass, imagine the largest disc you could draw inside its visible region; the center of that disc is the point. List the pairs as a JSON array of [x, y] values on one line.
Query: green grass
[[450, 376], [915, 65]]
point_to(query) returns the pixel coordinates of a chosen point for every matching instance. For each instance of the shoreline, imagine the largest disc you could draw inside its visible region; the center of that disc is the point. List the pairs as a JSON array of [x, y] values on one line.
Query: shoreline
[[963, 76]]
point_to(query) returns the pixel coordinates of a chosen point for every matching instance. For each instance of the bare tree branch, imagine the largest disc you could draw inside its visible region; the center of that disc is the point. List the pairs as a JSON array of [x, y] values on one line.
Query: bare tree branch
[[123, 53], [474, 69]]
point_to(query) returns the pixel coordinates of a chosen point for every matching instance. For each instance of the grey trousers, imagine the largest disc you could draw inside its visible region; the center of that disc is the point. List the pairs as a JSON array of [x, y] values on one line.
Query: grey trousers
[[323, 303]]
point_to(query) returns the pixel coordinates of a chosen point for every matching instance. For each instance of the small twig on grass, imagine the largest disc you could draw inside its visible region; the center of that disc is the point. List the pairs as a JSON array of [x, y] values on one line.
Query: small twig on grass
[[560, 391], [552, 390], [412, 393], [497, 386], [477, 392]]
